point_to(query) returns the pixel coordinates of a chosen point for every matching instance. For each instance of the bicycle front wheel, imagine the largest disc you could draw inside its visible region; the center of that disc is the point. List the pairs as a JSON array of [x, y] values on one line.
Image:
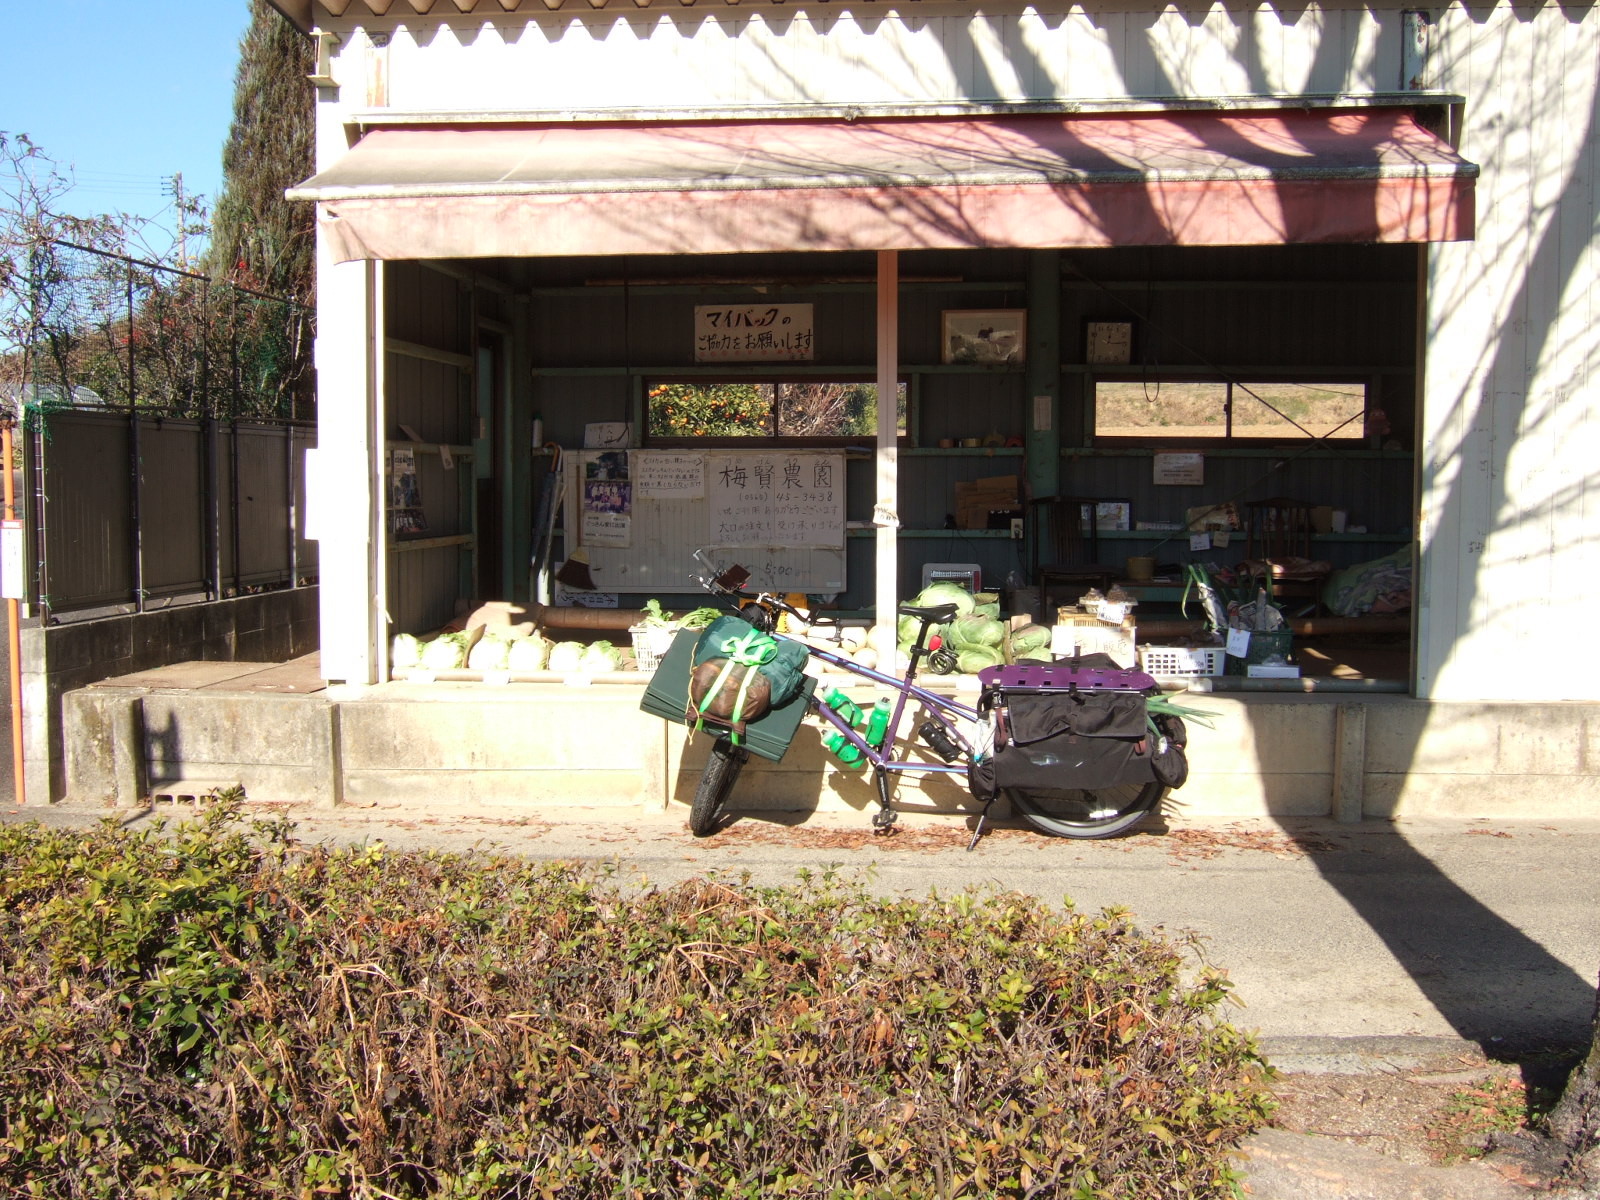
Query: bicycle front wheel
[[716, 782], [1080, 813]]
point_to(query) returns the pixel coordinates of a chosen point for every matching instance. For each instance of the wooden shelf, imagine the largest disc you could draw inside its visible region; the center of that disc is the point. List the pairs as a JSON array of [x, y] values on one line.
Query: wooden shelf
[[410, 545]]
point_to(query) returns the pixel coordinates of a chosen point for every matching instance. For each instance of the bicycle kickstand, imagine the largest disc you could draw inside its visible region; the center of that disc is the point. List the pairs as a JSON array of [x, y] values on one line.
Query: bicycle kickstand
[[883, 820], [978, 830]]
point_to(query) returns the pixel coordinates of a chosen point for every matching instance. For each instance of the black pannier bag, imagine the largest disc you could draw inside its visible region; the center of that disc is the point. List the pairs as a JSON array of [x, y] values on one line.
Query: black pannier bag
[[1087, 740]]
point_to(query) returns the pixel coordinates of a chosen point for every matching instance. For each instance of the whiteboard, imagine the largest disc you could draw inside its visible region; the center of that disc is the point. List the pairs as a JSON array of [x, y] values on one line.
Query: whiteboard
[[641, 514]]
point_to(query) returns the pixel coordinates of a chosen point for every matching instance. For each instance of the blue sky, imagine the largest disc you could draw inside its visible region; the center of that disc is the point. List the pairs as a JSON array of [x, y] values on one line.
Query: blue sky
[[126, 95]]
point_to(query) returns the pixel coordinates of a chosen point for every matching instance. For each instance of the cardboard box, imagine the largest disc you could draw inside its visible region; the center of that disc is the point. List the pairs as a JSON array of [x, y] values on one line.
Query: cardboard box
[[976, 500], [1119, 641]]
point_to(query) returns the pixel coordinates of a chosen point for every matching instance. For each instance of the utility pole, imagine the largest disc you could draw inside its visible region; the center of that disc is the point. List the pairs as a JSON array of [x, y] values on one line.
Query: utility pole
[[174, 188]]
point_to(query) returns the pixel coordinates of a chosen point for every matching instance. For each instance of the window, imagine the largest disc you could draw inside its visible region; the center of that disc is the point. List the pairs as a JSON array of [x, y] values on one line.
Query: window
[[805, 410], [1207, 409]]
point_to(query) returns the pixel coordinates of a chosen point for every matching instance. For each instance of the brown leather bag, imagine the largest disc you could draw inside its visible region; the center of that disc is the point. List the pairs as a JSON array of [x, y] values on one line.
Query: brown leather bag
[[719, 702]]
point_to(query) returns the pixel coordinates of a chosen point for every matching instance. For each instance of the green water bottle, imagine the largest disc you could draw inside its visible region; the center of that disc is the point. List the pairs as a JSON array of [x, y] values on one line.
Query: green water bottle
[[843, 749], [849, 711], [878, 724]]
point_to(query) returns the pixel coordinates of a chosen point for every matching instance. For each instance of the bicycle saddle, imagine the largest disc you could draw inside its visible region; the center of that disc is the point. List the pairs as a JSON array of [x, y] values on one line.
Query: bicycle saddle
[[939, 614]]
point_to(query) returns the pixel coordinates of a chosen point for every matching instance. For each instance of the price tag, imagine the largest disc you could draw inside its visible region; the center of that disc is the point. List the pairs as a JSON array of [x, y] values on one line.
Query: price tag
[[1238, 642], [1219, 539], [1199, 541], [1112, 614]]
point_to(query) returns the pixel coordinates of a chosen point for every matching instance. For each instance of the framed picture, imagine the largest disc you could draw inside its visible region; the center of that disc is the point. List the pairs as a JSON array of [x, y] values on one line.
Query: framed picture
[[984, 336], [1114, 515]]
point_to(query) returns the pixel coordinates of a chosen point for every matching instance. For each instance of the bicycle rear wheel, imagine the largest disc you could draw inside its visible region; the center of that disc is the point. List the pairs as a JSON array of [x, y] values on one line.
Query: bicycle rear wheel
[[716, 782], [1080, 813]]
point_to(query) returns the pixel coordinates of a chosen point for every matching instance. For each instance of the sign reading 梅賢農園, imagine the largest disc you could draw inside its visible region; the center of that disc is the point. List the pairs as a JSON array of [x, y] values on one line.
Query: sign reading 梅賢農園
[[753, 333]]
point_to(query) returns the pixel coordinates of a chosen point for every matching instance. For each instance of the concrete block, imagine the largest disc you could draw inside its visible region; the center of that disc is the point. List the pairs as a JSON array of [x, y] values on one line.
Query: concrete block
[[1494, 796], [425, 792], [103, 743], [218, 629], [1481, 738], [457, 727], [84, 644], [1273, 737], [277, 747], [1349, 763]]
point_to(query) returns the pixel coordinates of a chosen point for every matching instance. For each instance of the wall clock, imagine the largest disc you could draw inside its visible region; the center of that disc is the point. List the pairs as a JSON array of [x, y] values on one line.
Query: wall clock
[[1108, 342]]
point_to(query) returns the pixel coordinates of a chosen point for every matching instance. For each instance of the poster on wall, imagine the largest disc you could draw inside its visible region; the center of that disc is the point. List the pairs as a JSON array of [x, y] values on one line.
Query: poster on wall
[[761, 498], [405, 492], [607, 500], [753, 333], [661, 476]]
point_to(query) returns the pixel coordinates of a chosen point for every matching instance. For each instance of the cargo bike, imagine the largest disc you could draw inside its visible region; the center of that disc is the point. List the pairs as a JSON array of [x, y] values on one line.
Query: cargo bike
[[1080, 747]]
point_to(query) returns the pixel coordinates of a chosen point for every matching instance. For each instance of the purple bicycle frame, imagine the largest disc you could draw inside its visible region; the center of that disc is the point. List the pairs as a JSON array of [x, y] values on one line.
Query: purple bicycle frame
[[941, 705]]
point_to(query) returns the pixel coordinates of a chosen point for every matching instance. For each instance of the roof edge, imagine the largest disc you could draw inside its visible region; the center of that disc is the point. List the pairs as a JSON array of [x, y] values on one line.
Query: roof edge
[[296, 12], [401, 118]]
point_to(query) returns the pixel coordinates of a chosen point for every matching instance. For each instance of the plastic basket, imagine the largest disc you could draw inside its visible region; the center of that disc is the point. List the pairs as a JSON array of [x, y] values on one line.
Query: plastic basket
[[650, 645], [1181, 660]]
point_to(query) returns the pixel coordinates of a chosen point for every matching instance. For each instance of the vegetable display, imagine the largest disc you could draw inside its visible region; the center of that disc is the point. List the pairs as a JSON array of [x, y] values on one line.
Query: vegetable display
[[490, 654], [566, 657]]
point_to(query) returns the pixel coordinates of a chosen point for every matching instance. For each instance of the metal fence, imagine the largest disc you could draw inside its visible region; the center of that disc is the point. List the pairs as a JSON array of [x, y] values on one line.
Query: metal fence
[[166, 419], [111, 332]]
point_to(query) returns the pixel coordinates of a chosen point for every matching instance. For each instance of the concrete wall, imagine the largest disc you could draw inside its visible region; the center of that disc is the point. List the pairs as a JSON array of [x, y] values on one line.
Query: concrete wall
[[442, 748], [58, 659]]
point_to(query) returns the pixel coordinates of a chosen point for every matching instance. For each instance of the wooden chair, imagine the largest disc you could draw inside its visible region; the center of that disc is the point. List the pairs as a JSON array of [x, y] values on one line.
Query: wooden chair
[[1064, 549], [1278, 530]]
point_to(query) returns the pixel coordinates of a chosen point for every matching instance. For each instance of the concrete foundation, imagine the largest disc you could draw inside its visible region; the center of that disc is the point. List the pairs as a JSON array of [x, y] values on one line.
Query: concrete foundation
[[269, 627], [526, 746]]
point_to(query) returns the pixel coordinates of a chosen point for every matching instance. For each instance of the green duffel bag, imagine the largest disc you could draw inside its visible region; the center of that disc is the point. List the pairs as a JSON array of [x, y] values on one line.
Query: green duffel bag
[[739, 674]]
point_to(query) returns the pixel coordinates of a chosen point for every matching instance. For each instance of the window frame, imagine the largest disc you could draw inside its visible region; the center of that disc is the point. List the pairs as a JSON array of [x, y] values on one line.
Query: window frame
[[1229, 382], [766, 441]]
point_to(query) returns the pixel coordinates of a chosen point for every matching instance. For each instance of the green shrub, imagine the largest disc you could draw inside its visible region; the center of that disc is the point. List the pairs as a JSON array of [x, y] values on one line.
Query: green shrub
[[214, 1010]]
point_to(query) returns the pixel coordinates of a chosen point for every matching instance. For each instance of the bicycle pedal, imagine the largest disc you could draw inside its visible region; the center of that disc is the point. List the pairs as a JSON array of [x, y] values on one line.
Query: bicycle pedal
[[883, 820]]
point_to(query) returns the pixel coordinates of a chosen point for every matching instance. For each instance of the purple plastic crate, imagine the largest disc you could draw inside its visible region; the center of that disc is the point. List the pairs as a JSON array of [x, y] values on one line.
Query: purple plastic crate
[[1059, 677]]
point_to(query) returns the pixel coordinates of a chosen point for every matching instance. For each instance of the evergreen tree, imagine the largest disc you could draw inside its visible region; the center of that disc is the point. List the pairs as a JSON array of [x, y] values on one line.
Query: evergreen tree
[[259, 240]]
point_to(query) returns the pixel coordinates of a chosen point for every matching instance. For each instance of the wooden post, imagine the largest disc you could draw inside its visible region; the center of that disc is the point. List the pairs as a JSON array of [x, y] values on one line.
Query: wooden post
[[886, 510]]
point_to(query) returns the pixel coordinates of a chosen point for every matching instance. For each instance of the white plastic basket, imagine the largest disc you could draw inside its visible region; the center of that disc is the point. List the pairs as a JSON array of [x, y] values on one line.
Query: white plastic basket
[[1181, 660], [650, 645]]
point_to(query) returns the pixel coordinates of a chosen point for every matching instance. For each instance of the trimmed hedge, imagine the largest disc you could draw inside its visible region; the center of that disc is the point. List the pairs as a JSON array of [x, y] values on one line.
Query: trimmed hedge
[[214, 1010]]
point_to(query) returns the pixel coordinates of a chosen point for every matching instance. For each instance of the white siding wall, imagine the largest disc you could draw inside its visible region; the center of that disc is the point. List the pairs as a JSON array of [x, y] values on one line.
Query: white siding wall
[[1510, 521], [1509, 525], [715, 56]]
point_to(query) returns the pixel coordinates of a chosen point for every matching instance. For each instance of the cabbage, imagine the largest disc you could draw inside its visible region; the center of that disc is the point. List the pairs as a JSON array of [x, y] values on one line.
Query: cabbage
[[599, 657], [1030, 641], [907, 631], [974, 631], [565, 656], [992, 611], [945, 591], [447, 652], [490, 654], [975, 658], [528, 654], [405, 652]]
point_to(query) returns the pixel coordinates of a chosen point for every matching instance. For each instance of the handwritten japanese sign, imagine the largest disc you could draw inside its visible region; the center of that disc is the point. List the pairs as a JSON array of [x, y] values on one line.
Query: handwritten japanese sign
[[753, 333], [764, 498], [668, 476]]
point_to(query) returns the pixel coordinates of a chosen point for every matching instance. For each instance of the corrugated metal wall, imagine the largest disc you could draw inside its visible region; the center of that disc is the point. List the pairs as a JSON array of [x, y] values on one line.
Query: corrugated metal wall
[[106, 540]]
